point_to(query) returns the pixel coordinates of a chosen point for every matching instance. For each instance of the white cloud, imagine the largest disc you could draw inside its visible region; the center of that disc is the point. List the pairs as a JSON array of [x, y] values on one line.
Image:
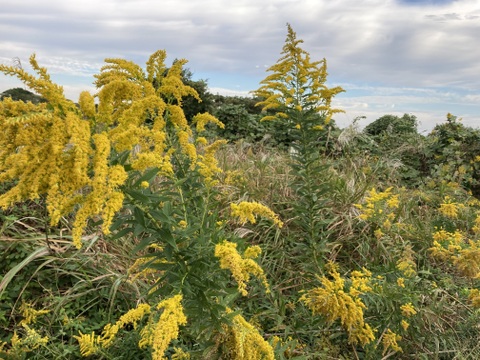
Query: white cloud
[[394, 55]]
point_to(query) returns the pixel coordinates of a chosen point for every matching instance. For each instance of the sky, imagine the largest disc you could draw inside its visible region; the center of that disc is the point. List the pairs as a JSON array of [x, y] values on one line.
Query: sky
[[420, 57]]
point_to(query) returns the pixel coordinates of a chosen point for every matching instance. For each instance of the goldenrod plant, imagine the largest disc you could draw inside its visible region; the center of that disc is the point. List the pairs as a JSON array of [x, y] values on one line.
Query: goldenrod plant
[[296, 93], [134, 165]]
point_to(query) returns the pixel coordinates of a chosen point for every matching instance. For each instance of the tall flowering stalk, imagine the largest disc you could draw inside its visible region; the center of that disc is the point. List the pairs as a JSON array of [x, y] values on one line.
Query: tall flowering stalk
[[296, 93]]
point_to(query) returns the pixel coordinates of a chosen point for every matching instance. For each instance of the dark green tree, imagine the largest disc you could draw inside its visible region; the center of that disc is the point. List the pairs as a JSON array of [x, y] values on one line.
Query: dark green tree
[[23, 95]]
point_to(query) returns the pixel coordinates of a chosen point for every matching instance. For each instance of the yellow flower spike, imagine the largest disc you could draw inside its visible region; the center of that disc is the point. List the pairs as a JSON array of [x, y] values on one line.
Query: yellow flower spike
[[390, 341], [244, 342], [408, 310], [246, 211], [168, 325], [331, 301], [30, 314], [203, 119], [474, 298], [241, 268], [208, 164], [88, 344], [296, 84]]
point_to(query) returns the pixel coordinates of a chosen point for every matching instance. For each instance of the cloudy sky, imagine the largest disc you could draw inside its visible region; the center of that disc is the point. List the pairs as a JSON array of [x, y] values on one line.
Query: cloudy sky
[[420, 57]]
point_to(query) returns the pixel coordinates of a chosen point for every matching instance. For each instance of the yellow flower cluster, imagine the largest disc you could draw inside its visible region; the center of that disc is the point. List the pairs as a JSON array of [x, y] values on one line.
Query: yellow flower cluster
[[464, 253], [240, 267], [449, 208], [379, 204], [168, 325], [244, 342], [390, 341], [31, 339], [104, 198], [64, 152], [203, 119], [446, 243], [180, 354], [90, 344], [29, 313], [408, 310], [406, 263], [156, 334], [19, 346], [247, 211], [476, 226], [334, 302], [208, 164], [297, 84], [474, 297]]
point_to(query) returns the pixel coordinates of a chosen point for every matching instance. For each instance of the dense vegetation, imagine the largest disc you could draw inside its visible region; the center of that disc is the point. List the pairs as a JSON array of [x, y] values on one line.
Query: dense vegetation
[[131, 229]]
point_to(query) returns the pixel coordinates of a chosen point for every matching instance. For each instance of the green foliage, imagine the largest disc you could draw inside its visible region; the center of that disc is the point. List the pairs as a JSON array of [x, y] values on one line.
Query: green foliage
[[455, 150]]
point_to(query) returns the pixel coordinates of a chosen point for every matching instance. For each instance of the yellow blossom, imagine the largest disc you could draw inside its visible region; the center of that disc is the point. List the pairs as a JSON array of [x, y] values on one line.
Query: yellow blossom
[[406, 263], [401, 282], [88, 344], [405, 325], [450, 208], [208, 164], [183, 224], [246, 211], [202, 119], [180, 354], [408, 310], [244, 342], [240, 267], [474, 297], [168, 325], [30, 314], [334, 303], [389, 340]]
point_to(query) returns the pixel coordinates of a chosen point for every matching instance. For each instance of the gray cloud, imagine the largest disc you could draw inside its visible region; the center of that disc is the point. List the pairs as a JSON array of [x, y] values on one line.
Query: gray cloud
[[381, 44]]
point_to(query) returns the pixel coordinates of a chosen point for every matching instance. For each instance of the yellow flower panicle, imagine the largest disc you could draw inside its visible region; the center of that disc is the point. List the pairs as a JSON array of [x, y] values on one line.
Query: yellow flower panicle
[[474, 298], [244, 342], [408, 310], [29, 313], [449, 208], [297, 84], [406, 263], [246, 211], [467, 260], [463, 253], [203, 119], [240, 267], [379, 204], [63, 152], [91, 344], [88, 344], [208, 164], [180, 354], [334, 302], [157, 334], [168, 325], [29, 341], [390, 341]]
